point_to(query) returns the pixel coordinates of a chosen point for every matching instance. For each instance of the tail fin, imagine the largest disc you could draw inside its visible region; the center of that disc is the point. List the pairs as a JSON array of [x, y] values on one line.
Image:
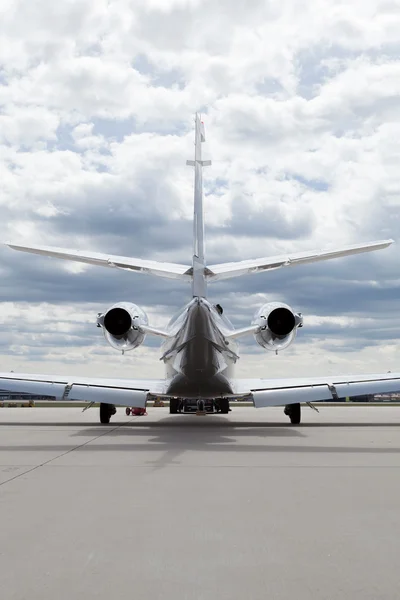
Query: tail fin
[[199, 286]]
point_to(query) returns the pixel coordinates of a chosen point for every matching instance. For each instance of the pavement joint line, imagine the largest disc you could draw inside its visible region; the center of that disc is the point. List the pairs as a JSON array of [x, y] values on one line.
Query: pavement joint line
[[247, 467], [62, 454]]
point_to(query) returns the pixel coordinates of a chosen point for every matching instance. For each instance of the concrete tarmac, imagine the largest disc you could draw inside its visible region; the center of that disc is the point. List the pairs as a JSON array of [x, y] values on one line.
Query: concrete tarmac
[[192, 508]]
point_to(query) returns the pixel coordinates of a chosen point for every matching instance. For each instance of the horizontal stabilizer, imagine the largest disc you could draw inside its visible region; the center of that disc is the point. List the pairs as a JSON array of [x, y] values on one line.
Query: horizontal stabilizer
[[204, 163], [162, 269], [257, 265]]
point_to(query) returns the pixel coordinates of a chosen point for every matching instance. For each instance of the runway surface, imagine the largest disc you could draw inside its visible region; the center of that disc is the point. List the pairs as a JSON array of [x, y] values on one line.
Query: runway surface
[[185, 507]]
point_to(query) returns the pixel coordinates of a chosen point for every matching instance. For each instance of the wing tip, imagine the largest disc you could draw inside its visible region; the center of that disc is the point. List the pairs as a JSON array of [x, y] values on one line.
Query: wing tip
[[13, 246], [380, 244]]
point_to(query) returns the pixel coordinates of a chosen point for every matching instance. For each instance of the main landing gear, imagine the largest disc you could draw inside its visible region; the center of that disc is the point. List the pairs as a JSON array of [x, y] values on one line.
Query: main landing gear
[[222, 406], [201, 405], [293, 411], [175, 405], [106, 412]]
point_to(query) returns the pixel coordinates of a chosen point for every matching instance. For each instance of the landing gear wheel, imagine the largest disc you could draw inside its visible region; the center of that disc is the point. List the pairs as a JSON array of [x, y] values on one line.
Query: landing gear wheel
[[293, 411], [127, 411], [201, 407], [106, 412], [223, 406], [173, 406]]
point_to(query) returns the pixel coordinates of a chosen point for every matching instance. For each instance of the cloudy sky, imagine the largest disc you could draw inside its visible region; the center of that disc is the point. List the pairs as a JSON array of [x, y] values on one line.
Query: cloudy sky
[[300, 100]]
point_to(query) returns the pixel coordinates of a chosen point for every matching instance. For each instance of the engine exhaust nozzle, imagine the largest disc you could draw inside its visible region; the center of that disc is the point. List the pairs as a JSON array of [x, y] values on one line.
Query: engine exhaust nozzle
[[117, 322], [281, 321]]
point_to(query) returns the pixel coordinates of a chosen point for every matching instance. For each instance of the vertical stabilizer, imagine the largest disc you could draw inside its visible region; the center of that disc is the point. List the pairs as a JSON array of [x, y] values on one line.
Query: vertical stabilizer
[[199, 287]]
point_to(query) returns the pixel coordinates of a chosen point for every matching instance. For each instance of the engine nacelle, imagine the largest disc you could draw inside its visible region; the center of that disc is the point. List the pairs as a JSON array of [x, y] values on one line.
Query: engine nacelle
[[277, 326], [122, 326]]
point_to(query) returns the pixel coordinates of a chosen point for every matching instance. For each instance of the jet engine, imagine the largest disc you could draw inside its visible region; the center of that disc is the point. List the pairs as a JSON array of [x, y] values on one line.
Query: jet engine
[[277, 326], [122, 326]]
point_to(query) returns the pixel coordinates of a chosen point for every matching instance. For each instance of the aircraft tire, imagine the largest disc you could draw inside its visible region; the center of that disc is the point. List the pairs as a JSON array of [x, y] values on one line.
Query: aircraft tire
[[173, 406], [293, 411], [106, 411], [223, 406]]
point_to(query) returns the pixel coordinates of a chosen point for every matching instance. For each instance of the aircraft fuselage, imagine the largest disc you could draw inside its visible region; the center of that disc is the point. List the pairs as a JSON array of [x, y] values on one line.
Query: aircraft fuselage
[[199, 358]]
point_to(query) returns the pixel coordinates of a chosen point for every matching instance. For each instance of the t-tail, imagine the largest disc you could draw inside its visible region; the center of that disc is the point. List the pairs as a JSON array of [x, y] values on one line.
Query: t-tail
[[198, 273], [199, 282]]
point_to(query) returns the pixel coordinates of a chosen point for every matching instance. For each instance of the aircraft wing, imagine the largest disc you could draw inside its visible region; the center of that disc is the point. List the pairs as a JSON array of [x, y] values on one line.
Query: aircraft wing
[[123, 392], [162, 269], [134, 392], [276, 392], [257, 265]]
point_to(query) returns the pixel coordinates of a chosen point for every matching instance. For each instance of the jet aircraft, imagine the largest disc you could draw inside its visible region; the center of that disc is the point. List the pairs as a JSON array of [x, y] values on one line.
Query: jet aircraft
[[200, 345]]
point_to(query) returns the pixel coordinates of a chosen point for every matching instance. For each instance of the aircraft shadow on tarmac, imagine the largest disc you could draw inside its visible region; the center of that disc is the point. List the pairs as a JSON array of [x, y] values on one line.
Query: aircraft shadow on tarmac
[[174, 437], [207, 423]]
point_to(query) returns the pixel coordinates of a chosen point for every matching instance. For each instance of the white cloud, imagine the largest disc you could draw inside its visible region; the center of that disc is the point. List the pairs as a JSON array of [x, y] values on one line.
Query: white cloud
[[24, 126]]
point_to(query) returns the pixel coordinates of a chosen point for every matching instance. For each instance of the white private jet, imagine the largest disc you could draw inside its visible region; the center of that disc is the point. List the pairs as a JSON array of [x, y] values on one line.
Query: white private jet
[[199, 349]]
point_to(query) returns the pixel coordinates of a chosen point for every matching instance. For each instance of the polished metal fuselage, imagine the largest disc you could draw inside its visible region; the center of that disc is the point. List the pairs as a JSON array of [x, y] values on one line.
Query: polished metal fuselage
[[199, 358]]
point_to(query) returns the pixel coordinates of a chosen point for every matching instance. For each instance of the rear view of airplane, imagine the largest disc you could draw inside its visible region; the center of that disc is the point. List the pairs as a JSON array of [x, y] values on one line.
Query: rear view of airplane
[[199, 345]]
